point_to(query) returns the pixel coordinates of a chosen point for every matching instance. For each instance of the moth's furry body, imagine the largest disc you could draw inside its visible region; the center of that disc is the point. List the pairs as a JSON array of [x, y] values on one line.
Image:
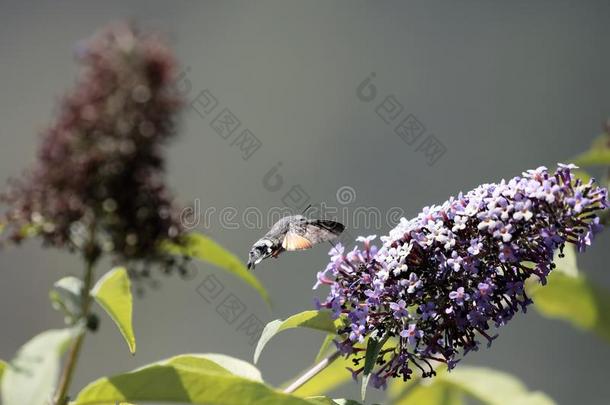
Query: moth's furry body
[[294, 232]]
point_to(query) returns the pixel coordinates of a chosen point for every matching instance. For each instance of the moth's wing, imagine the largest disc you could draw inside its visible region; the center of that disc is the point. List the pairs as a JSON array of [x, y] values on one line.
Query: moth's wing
[[294, 241], [334, 227], [303, 234], [320, 230]]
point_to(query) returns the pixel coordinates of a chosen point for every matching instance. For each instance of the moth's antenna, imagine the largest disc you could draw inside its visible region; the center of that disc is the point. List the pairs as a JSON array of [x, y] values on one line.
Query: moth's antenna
[[306, 209], [333, 245]]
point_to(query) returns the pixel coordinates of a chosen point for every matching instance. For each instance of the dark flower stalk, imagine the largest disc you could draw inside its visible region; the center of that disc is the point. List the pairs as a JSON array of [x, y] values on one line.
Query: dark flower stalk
[[442, 281], [97, 187]]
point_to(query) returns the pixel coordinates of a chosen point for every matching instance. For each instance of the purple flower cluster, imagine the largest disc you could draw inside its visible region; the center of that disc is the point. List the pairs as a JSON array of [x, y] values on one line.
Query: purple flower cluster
[[98, 182], [442, 280]]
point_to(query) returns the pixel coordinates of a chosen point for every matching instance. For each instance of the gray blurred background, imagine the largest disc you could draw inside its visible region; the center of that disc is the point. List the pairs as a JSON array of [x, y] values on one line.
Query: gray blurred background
[[503, 86]]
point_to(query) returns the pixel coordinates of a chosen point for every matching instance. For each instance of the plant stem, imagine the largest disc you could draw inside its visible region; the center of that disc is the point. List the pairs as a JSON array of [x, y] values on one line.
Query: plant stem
[[309, 374], [70, 365]]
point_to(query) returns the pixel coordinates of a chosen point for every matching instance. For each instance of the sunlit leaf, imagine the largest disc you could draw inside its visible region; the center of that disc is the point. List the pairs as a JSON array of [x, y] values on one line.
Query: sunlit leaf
[[26, 231], [327, 401], [492, 387], [567, 264], [397, 388], [593, 157], [325, 347], [342, 401], [319, 320], [66, 296], [373, 348], [193, 379], [602, 302], [430, 394], [333, 376], [2, 368], [29, 230], [569, 296], [576, 300], [236, 366], [199, 246], [31, 376], [321, 400], [598, 153], [488, 386], [113, 293], [582, 175]]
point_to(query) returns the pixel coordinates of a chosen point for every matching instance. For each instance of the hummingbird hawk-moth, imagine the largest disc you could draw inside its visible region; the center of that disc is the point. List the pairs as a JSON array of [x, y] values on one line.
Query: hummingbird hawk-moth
[[295, 232]]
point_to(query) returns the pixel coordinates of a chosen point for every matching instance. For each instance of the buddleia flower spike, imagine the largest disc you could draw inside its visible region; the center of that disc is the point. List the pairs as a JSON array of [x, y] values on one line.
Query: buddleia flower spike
[[441, 282]]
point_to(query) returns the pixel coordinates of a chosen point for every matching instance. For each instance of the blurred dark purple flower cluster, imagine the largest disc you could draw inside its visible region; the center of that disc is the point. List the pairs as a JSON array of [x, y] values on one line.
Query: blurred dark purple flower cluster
[[442, 280], [98, 182]]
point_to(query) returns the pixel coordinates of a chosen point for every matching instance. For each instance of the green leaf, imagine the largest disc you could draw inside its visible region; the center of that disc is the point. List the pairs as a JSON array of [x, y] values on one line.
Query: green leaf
[[582, 175], [193, 379], [66, 297], [567, 264], [321, 400], [26, 231], [319, 320], [327, 401], [236, 366], [2, 368], [492, 387], [488, 386], [30, 230], [327, 343], [373, 347], [397, 388], [602, 302], [31, 376], [430, 394], [113, 293], [201, 247], [364, 385], [576, 300], [333, 376], [593, 157], [597, 155]]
